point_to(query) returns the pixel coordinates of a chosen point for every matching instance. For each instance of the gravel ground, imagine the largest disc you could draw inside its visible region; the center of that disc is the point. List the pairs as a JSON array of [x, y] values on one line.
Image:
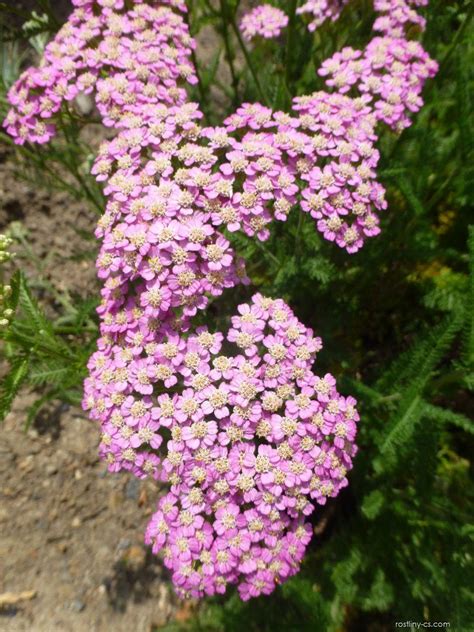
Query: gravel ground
[[72, 533]]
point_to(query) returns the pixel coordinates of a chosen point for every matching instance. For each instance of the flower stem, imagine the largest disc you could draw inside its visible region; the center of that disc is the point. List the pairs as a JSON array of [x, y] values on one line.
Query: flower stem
[[247, 56], [289, 44], [202, 93], [229, 53]]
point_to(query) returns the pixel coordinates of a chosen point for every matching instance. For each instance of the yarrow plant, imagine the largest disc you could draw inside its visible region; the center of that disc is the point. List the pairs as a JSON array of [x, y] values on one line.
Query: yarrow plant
[[256, 440], [264, 20], [248, 438], [398, 15], [384, 82]]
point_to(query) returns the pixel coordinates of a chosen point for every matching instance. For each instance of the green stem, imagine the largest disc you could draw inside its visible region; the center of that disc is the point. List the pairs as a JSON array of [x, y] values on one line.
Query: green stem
[[34, 346], [65, 330], [247, 56], [46, 7], [267, 252], [35, 158], [211, 9], [298, 232], [223, 88], [62, 298], [388, 398], [202, 93], [438, 194], [455, 377], [90, 196], [71, 144], [289, 44], [229, 53]]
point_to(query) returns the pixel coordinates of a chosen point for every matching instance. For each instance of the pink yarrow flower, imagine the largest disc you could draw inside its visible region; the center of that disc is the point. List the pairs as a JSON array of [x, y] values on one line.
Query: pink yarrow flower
[[264, 21]]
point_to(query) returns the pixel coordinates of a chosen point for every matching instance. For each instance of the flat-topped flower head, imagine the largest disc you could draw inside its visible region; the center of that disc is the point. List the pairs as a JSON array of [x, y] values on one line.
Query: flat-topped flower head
[[264, 21], [144, 53], [251, 495], [390, 73]]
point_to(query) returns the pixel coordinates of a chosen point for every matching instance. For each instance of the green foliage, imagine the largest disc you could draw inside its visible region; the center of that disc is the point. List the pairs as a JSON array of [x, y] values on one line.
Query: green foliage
[[41, 353], [65, 163], [62, 165], [397, 320]]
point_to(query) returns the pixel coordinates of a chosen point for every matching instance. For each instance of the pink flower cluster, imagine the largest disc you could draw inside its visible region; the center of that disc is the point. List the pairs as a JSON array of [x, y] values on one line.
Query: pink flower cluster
[[161, 253], [128, 60], [326, 164], [391, 72], [256, 440], [265, 21], [397, 16], [321, 10], [324, 156], [170, 403]]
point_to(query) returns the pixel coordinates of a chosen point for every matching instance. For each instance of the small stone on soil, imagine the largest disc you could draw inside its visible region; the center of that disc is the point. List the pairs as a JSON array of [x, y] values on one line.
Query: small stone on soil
[[77, 605], [132, 489]]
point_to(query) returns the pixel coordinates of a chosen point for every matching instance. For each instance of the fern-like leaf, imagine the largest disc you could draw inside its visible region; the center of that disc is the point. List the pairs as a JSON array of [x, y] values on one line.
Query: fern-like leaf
[[445, 415], [469, 327], [31, 309], [11, 384], [51, 374], [417, 363], [411, 197], [372, 504], [412, 407]]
